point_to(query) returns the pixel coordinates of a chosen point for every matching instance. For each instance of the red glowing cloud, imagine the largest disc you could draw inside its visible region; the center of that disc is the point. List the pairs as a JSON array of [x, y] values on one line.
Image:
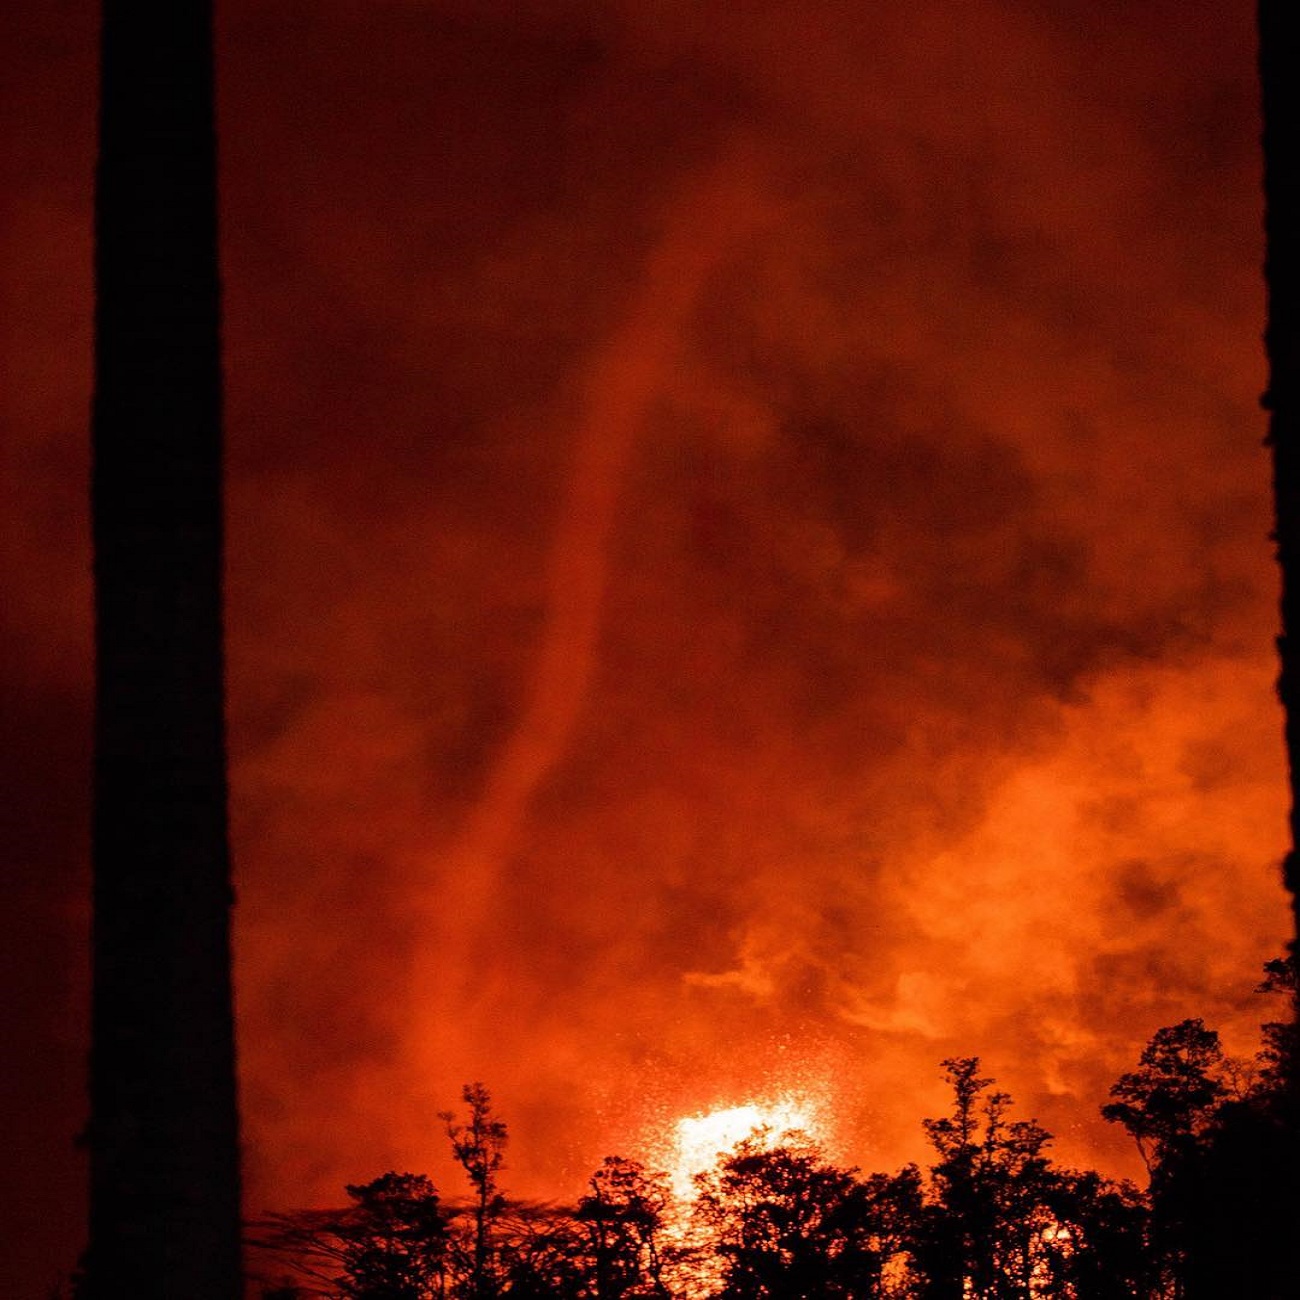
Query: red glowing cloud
[[748, 563]]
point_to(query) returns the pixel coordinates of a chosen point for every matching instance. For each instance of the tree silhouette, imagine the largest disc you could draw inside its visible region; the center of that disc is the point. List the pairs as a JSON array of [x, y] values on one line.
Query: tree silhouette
[[164, 1169], [985, 1188], [545, 1258], [785, 1222], [1099, 1246], [391, 1242], [1279, 57], [395, 1247], [1223, 1198], [1001, 1221], [1170, 1100], [623, 1217], [1279, 1057], [479, 1146]]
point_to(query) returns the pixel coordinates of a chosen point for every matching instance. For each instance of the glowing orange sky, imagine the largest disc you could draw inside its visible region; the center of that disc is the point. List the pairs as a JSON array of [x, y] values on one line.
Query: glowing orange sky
[[748, 566]]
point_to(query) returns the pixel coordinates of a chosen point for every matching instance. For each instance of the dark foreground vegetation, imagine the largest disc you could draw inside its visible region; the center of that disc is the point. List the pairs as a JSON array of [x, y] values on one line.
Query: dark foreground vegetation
[[992, 1215]]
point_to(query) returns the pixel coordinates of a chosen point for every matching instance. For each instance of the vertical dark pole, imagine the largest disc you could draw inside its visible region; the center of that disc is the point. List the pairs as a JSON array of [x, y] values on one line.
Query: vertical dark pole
[[1280, 91], [164, 1212], [1279, 73]]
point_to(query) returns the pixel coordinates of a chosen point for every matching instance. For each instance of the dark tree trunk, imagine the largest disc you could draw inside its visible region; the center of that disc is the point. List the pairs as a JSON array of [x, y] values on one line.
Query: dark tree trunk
[[164, 1162], [1275, 1170], [1279, 72]]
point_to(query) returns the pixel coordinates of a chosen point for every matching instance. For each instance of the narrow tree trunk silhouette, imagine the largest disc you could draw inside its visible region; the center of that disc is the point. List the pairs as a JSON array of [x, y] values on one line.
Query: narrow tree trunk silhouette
[[1279, 67], [1279, 63], [163, 1135]]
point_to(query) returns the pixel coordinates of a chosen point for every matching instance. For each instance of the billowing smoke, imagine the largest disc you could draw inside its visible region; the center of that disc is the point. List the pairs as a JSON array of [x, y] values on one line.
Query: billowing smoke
[[749, 567], [629, 371]]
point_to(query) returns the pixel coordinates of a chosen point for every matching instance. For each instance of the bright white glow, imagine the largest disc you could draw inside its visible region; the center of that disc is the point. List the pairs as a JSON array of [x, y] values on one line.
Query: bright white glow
[[700, 1140]]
